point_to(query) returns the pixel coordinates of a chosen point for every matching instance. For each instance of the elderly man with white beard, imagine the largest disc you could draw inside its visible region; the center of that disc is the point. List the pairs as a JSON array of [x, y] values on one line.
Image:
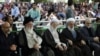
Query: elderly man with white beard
[[51, 39], [29, 41], [75, 39]]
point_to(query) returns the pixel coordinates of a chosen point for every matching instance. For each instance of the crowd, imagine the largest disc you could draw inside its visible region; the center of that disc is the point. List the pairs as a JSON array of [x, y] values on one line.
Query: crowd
[[84, 41]]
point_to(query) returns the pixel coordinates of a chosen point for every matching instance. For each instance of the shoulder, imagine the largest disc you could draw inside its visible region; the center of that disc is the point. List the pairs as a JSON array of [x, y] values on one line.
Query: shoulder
[[47, 30], [65, 29], [21, 32]]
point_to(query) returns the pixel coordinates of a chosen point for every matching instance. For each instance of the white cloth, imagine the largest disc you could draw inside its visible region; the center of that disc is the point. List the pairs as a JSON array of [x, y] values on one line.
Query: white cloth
[[70, 20], [33, 39], [56, 36]]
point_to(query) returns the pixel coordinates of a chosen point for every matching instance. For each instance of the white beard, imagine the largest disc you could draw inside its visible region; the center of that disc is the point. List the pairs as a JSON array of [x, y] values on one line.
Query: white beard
[[71, 29], [29, 30]]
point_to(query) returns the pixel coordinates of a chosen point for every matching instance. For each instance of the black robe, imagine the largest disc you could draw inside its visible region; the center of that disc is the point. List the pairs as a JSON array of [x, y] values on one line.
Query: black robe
[[66, 34], [49, 43], [81, 50], [23, 45]]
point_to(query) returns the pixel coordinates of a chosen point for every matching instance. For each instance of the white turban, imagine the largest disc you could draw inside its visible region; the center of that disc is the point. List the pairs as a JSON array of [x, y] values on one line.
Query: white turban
[[70, 20], [55, 20]]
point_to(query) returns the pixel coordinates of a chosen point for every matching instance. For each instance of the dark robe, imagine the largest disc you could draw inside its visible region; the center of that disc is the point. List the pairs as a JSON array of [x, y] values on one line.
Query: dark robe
[[77, 46], [5, 44], [23, 45], [66, 34], [49, 43]]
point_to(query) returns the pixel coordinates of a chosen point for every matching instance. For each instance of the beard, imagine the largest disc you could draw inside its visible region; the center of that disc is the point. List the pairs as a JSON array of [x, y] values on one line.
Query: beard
[[71, 28], [29, 30], [9, 31]]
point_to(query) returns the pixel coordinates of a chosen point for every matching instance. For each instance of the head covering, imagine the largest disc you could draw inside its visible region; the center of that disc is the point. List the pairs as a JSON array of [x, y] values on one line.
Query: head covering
[[27, 20], [55, 20], [71, 20]]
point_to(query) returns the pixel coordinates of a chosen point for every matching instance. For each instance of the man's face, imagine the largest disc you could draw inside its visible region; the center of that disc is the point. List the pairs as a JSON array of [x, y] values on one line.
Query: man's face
[[71, 24], [6, 28], [34, 6], [29, 25], [10, 20], [88, 23], [55, 24]]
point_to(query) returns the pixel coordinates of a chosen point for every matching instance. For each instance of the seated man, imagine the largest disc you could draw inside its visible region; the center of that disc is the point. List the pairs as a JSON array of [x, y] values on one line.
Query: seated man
[[28, 40], [10, 19], [51, 39], [75, 39], [7, 41], [89, 35]]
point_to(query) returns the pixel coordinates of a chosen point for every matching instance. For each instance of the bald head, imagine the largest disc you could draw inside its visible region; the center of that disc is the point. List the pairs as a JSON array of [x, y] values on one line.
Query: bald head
[[5, 27]]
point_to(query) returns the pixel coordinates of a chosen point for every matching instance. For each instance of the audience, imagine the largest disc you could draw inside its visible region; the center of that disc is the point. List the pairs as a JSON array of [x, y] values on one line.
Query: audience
[[34, 12]]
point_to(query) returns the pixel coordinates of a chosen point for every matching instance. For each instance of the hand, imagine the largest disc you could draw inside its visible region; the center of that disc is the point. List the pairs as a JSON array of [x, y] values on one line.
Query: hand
[[61, 48], [70, 42], [96, 39], [36, 46], [65, 47], [13, 47], [83, 42]]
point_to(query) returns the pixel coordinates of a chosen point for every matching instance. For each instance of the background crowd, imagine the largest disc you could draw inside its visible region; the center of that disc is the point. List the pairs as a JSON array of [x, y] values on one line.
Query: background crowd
[[79, 37]]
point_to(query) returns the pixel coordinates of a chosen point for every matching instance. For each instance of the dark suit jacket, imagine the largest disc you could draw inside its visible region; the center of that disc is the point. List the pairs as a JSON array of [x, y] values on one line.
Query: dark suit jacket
[[66, 34], [5, 43], [86, 35]]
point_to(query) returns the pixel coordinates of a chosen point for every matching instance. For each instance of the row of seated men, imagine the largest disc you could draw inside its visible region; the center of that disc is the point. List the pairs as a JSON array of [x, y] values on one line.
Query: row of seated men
[[70, 42]]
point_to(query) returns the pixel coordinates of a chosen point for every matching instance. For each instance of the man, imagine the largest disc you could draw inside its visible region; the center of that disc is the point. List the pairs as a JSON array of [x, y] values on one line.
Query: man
[[15, 10], [28, 40], [89, 35], [75, 39], [7, 41], [1, 14], [10, 20], [51, 39], [34, 13], [69, 10]]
